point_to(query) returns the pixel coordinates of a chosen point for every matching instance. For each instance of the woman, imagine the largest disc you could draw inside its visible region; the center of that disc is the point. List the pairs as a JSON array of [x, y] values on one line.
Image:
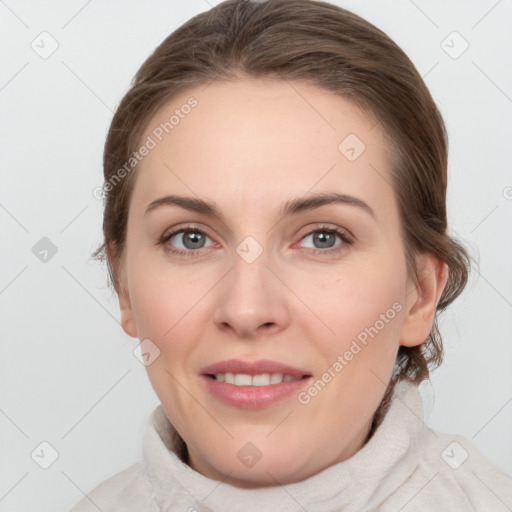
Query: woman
[[275, 228]]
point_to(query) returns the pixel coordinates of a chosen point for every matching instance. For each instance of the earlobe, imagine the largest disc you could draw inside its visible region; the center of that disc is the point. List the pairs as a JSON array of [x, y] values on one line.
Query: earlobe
[[423, 299]]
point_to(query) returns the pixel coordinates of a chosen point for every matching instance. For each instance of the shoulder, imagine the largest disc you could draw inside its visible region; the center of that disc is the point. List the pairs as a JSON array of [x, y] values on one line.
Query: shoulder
[[129, 489], [454, 475]]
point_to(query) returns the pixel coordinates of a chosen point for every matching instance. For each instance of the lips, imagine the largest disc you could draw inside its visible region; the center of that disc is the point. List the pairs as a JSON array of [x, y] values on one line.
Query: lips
[[253, 396], [254, 368]]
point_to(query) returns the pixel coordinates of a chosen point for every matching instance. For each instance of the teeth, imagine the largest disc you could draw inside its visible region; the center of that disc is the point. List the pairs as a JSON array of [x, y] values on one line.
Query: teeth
[[241, 379], [276, 378], [263, 379]]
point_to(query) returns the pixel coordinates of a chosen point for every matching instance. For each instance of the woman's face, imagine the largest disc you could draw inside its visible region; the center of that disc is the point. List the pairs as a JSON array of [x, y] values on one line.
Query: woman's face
[[264, 286]]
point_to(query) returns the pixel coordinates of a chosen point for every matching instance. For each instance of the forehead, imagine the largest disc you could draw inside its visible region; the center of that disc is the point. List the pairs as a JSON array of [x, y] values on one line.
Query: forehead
[[260, 140]]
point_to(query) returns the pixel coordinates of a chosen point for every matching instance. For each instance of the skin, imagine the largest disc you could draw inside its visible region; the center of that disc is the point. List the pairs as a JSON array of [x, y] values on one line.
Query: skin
[[249, 145]]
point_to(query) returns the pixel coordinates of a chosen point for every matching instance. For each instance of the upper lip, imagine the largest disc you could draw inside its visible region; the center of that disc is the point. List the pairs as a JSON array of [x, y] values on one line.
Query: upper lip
[[253, 368]]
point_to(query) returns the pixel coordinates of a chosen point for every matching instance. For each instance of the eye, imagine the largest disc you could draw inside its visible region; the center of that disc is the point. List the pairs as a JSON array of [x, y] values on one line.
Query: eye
[[192, 241], [325, 238]]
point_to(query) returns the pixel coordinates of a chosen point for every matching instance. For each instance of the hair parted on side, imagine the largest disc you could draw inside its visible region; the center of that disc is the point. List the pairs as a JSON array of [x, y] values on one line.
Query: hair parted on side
[[334, 49]]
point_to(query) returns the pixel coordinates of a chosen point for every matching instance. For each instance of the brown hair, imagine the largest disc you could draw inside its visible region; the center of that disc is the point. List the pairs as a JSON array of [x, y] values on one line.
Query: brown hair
[[333, 49]]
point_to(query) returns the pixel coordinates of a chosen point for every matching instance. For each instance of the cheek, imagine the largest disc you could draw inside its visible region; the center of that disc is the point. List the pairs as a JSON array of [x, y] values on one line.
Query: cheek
[[168, 305], [152, 310], [359, 304], [157, 294], [165, 312]]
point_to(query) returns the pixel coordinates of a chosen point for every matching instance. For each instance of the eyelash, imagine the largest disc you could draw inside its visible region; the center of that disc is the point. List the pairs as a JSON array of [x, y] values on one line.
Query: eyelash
[[345, 237]]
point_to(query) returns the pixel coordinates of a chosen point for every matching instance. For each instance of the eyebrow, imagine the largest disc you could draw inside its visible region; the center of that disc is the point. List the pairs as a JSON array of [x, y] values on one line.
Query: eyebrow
[[289, 207]]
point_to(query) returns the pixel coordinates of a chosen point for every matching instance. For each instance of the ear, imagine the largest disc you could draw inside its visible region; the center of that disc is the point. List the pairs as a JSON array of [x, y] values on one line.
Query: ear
[[422, 299], [127, 317]]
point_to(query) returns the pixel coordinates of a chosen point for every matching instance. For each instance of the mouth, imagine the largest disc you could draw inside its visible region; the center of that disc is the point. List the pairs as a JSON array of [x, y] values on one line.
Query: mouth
[[253, 384]]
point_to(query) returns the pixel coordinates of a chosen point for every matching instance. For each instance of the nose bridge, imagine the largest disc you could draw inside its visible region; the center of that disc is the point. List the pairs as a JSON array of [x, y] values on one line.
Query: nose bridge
[[251, 296], [250, 275]]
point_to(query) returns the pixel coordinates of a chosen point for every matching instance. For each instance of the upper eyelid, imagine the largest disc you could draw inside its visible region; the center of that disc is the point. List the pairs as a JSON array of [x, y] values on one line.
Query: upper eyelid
[[327, 227]]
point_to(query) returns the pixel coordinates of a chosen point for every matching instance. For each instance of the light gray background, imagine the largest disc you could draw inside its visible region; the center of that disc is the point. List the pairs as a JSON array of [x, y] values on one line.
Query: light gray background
[[68, 374]]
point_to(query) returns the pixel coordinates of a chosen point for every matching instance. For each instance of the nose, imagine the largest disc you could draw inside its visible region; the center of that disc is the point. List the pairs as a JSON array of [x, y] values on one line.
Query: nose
[[252, 300]]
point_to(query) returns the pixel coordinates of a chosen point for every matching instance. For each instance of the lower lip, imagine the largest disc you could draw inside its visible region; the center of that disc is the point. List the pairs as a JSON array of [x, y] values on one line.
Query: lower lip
[[253, 397]]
